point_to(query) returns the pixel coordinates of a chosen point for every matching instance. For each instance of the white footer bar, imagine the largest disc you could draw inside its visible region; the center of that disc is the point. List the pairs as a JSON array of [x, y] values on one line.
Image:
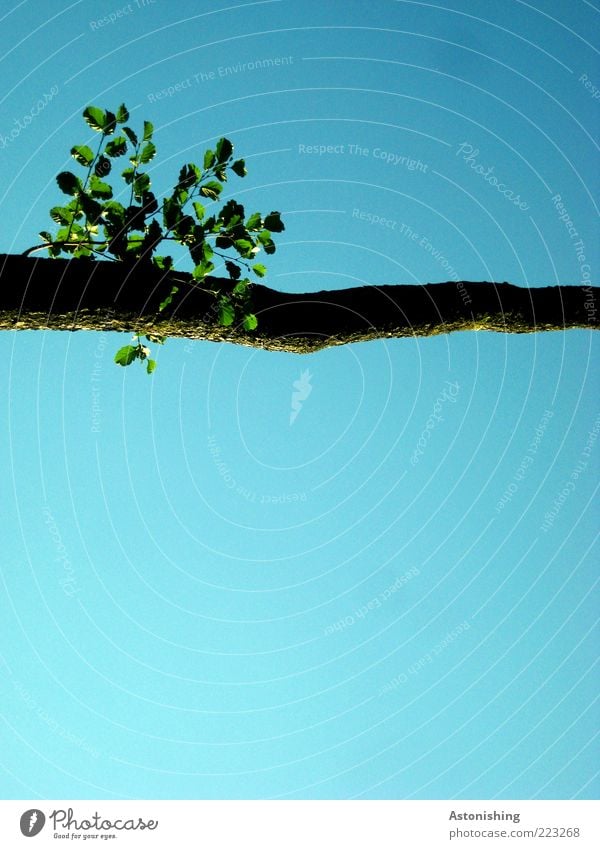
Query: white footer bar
[[300, 824]]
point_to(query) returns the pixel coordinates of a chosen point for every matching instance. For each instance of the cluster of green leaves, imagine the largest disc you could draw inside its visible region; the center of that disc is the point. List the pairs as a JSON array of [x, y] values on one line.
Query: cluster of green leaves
[[93, 224]]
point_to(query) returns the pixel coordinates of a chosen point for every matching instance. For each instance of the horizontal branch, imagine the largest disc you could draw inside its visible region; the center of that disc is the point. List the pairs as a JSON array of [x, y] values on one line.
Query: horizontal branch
[[79, 294]]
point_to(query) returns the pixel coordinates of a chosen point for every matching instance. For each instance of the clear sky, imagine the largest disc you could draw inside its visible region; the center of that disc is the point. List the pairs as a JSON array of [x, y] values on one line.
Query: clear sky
[[392, 594]]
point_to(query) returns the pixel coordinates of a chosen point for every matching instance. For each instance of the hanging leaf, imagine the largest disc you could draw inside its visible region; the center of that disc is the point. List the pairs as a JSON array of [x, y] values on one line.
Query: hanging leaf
[[61, 215], [122, 114], [131, 136], [110, 124], [68, 183], [102, 167], [223, 150], [211, 190], [147, 153], [274, 223], [140, 185], [148, 130], [254, 222], [95, 118], [99, 189], [82, 154], [250, 322], [163, 263], [117, 147], [239, 167], [126, 355], [226, 313], [164, 304]]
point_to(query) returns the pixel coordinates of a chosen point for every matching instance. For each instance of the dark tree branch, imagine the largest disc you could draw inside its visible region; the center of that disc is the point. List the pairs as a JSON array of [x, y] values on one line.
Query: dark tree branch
[[78, 294]]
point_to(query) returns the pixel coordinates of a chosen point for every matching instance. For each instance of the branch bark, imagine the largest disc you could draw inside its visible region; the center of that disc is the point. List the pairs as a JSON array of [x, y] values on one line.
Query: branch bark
[[77, 294]]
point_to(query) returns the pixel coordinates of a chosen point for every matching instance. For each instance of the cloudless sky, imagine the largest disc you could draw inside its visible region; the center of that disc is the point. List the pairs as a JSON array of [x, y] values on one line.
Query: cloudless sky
[[204, 596]]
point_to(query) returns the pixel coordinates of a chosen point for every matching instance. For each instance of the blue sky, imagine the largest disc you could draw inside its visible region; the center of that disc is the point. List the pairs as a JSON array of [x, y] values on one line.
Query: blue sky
[[393, 595]]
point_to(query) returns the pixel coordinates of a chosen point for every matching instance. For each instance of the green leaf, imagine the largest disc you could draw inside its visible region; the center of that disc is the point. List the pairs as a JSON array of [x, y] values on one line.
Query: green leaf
[[168, 299], [239, 167], [117, 147], [114, 211], [226, 313], [171, 212], [68, 183], [209, 159], [211, 190], [189, 176], [243, 246], [199, 210], [141, 184], [223, 150], [163, 263], [102, 167], [131, 136], [264, 237], [259, 269], [250, 321], [82, 154], [202, 269], [61, 215], [95, 118], [147, 153], [99, 189], [150, 366], [126, 355], [110, 124], [231, 214], [148, 130], [254, 222], [234, 271], [240, 288], [128, 175], [92, 209], [45, 236], [122, 114], [274, 223]]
